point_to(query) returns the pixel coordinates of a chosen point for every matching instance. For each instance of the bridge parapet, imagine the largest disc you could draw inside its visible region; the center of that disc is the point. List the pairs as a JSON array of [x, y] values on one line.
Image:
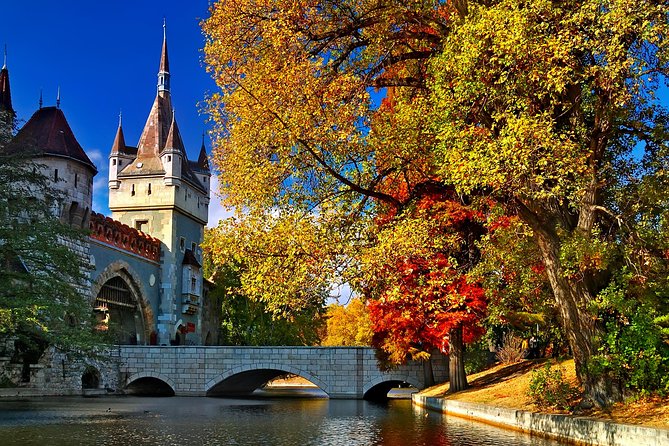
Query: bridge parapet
[[341, 372]]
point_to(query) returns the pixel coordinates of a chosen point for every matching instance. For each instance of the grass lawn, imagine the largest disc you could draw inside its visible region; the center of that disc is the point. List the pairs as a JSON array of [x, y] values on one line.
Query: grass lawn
[[506, 385]]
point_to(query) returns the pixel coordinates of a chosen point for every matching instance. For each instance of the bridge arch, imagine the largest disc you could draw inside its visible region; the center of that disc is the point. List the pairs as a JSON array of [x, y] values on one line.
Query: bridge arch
[[247, 378], [120, 275], [379, 387], [147, 383]]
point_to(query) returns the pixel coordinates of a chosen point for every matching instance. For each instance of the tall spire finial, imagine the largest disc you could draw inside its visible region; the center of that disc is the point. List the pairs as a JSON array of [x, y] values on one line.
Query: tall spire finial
[[120, 117], [164, 69], [58, 98], [40, 99], [5, 93]]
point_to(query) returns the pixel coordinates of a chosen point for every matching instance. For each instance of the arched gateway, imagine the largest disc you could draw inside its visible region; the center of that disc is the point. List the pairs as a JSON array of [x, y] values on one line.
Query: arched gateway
[[120, 306]]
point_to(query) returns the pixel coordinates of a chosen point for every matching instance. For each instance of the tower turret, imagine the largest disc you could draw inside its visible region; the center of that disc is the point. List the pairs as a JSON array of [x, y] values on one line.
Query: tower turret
[[173, 156], [202, 171], [119, 156]]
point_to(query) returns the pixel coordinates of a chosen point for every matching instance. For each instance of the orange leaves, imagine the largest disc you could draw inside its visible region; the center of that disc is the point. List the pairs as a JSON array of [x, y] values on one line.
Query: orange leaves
[[423, 288]]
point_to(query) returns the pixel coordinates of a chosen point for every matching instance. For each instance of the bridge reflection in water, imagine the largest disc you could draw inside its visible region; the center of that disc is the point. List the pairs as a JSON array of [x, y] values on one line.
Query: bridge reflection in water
[[339, 372], [122, 421]]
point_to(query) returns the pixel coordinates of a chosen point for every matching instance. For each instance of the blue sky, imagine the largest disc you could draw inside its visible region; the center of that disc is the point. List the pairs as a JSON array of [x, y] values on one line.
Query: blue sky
[[105, 56]]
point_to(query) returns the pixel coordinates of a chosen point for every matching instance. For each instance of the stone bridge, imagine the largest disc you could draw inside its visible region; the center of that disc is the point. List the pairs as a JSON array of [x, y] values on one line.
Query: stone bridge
[[341, 372]]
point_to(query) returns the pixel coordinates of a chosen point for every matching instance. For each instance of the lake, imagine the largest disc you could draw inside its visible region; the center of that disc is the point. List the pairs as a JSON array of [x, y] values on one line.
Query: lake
[[128, 420]]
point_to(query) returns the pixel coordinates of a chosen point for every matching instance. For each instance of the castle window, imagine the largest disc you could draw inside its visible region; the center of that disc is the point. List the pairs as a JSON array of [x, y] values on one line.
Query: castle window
[[169, 158], [76, 179], [114, 162], [73, 217], [148, 191], [141, 225], [193, 247], [55, 175], [132, 191], [193, 285], [182, 244]]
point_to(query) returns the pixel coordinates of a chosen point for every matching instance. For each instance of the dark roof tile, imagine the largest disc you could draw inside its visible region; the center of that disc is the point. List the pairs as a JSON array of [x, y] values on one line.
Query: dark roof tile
[[48, 133]]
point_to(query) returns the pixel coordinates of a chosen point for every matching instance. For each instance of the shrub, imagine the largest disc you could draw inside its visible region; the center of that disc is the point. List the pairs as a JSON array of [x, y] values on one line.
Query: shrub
[[512, 349], [633, 348], [476, 357], [548, 388]]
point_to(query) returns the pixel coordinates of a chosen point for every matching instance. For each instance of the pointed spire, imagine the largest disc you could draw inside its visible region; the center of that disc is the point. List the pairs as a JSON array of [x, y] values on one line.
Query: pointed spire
[[4, 61], [58, 98], [174, 137], [164, 69], [152, 141], [202, 159], [119, 140], [5, 92]]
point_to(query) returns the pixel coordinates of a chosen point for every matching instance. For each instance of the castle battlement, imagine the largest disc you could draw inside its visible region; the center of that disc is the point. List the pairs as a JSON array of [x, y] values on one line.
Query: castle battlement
[[124, 237]]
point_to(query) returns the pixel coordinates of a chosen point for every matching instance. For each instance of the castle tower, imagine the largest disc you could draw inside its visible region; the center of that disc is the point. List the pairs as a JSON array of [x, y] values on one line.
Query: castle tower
[[7, 113], [155, 189], [48, 136], [120, 156]]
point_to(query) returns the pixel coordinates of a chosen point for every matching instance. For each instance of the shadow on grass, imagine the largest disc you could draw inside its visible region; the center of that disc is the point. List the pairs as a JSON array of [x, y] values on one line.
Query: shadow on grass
[[505, 373]]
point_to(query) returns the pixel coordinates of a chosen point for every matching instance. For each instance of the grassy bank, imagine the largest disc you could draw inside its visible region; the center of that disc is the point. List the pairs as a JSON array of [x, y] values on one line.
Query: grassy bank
[[507, 386]]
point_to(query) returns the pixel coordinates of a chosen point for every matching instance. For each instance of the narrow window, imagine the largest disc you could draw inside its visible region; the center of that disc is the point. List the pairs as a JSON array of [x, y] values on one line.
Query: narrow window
[[148, 191], [132, 191], [141, 225], [114, 162], [193, 247], [193, 285], [55, 175], [182, 244], [169, 158], [76, 179]]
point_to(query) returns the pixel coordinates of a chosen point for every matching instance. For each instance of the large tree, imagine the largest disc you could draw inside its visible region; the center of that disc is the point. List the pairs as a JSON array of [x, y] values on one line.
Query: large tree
[[550, 109], [421, 295], [306, 154]]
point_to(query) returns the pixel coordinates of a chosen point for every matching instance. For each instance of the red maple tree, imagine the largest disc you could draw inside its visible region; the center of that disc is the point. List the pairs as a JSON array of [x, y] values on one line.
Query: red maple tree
[[429, 302]]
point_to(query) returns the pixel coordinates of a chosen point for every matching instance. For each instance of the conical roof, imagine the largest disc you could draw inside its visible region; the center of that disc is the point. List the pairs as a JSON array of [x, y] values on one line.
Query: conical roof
[[119, 141], [47, 132]]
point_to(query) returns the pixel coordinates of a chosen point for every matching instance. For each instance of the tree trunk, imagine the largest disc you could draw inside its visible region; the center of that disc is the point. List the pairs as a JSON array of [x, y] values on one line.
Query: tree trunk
[[428, 373], [456, 361], [573, 300]]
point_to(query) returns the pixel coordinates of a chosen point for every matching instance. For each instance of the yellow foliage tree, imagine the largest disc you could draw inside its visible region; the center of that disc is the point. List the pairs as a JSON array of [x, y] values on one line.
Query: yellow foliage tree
[[348, 325]]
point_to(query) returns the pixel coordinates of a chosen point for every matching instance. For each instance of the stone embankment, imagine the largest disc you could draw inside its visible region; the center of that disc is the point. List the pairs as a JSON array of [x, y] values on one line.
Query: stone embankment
[[568, 428]]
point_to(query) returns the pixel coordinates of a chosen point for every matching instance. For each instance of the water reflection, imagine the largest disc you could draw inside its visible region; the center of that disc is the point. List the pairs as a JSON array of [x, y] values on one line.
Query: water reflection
[[211, 421]]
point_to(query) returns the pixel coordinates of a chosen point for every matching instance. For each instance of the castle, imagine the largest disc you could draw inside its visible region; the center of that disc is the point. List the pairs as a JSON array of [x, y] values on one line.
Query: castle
[[145, 274]]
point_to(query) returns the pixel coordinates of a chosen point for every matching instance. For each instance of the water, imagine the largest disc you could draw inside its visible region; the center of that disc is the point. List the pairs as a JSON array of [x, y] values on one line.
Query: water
[[130, 421]]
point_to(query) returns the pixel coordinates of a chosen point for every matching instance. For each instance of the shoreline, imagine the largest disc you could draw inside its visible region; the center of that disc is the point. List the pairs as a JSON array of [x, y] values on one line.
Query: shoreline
[[568, 428]]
